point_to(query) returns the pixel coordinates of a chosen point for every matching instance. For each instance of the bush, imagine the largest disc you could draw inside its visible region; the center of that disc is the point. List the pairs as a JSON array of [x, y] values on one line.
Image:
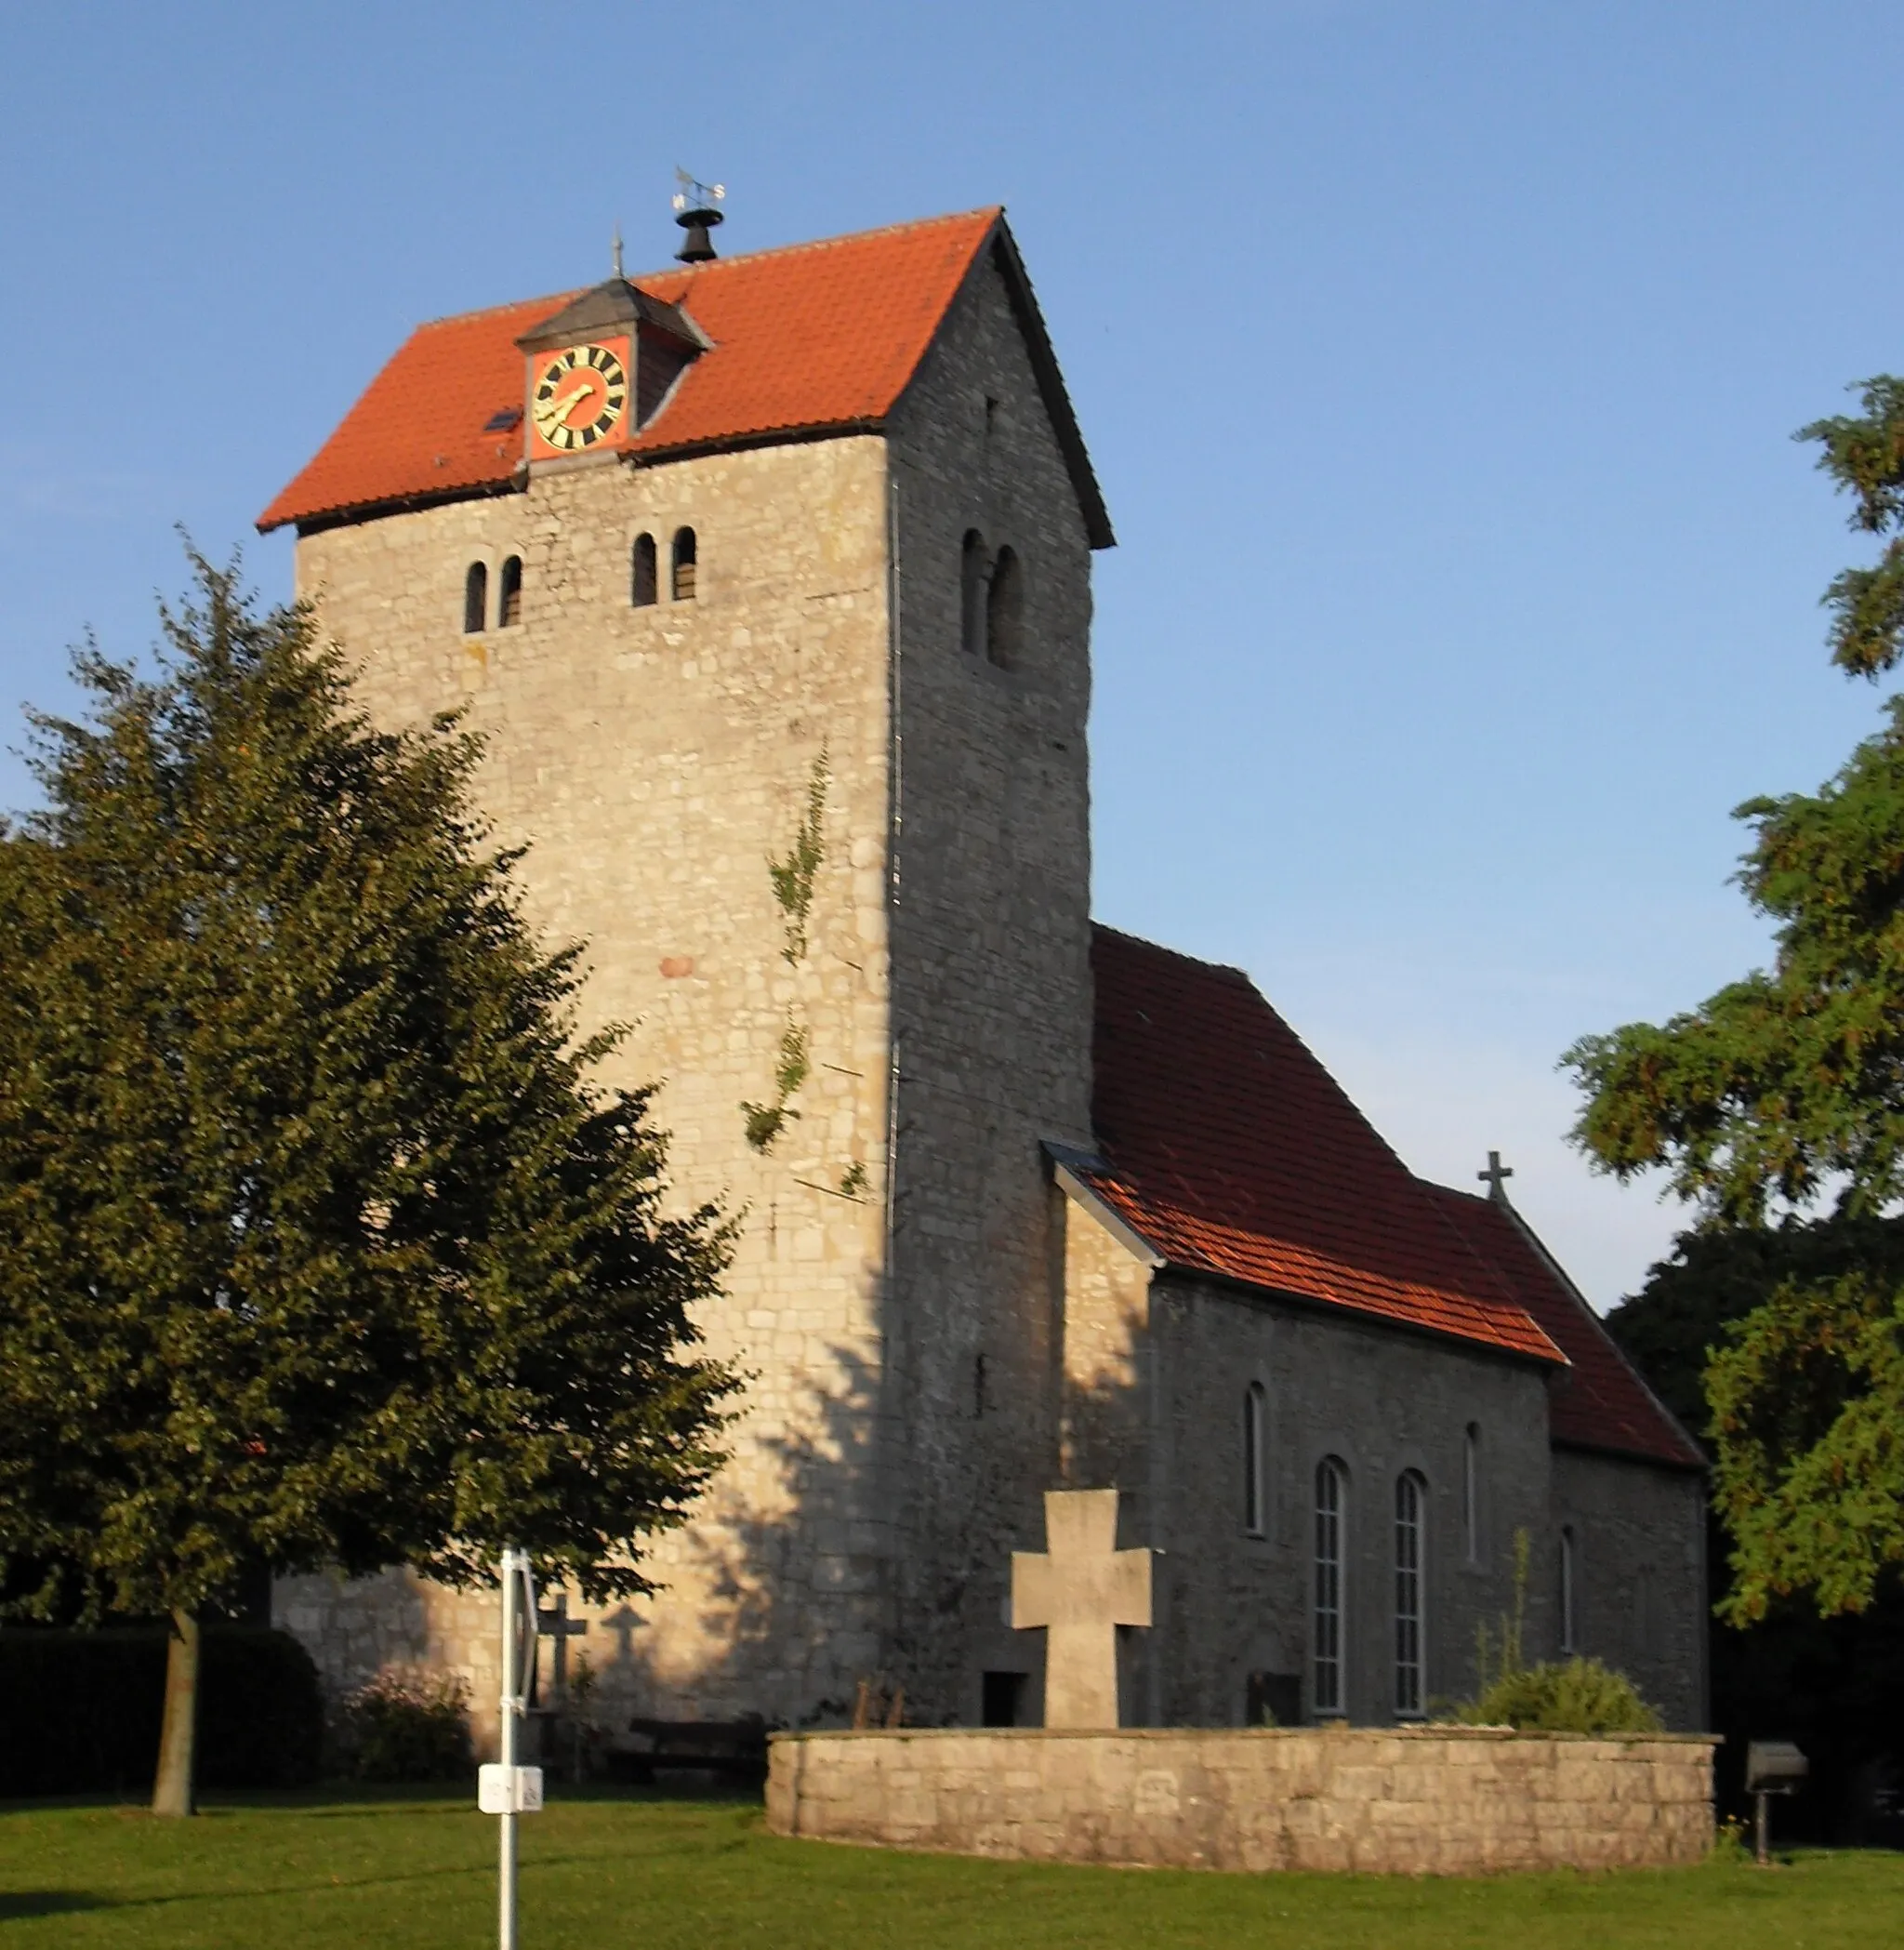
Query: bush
[[1579, 1696], [82, 1710], [406, 1725]]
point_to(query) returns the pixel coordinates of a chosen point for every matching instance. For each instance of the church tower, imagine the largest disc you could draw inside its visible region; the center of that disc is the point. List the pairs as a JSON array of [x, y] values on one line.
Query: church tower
[[767, 582]]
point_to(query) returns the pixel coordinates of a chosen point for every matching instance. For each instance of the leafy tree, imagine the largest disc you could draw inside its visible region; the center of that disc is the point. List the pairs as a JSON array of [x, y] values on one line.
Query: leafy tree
[[1833, 1684], [316, 1241], [1785, 1089]]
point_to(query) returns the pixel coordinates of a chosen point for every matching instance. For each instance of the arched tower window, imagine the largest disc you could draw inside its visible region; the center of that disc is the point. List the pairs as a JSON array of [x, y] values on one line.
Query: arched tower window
[[1332, 1495], [508, 606], [1005, 611], [682, 587], [1569, 1623], [972, 594], [1255, 1460], [644, 580], [476, 598], [1409, 1575], [1471, 1492]]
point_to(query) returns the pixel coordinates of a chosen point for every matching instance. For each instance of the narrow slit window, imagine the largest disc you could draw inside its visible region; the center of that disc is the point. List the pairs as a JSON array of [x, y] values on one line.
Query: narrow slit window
[[1326, 1683], [682, 588], [476, 598], [644, 579], [509, 608], [972, 594], [1005, 611], [1471, 1492], [1408, 1607], [1255, 1433], [1570, 1597]]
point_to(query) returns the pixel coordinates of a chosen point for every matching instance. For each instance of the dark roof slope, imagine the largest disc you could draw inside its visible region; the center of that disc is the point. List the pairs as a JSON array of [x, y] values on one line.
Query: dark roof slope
[[1233, 1151], [1602, 1403]]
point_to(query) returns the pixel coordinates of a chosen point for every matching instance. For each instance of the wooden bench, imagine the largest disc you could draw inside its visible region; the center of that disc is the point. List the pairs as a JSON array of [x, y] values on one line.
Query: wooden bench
[[735, 1749]]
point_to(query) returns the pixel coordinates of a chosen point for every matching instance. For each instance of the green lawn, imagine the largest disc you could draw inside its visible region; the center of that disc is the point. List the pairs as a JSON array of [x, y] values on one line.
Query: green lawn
[[666, 1875]]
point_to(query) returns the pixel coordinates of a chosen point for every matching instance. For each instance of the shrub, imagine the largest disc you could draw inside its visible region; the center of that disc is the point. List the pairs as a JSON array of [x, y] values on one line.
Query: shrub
[[82, 1710], [1576, 1696], [406, 1725]]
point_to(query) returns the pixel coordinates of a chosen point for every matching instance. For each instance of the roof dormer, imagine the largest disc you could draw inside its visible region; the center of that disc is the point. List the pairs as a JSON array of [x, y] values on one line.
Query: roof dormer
[[601, 368]]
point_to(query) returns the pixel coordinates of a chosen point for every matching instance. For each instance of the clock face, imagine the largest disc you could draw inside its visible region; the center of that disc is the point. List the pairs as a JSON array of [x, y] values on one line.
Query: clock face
[[579, 397]]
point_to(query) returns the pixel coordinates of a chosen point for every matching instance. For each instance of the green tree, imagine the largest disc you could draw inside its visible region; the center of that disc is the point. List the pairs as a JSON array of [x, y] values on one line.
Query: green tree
[[1785, 1090], [317, 1243]]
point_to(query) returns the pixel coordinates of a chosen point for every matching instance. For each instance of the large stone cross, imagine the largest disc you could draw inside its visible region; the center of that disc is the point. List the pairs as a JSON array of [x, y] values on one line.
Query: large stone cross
[[1080, 1588]]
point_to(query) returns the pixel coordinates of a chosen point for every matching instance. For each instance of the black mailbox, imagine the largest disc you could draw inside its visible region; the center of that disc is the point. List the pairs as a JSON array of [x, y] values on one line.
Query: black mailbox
[[1774, 1767]]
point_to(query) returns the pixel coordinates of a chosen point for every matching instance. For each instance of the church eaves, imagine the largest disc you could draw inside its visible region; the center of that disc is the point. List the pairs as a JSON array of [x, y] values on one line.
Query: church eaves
[[816, 339], [1231, 1151]]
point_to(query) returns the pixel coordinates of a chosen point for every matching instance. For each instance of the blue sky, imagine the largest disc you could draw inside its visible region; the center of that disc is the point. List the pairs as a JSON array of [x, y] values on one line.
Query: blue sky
[[1438, 361]]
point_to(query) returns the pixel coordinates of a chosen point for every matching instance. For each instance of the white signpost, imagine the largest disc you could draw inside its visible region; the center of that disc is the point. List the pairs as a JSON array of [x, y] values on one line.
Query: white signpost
[[503, 1788]]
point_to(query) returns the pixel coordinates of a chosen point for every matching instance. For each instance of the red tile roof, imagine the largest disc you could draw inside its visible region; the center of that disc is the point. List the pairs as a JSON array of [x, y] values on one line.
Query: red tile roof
[[1602, 1403], [821, 336], [1233, 1151]]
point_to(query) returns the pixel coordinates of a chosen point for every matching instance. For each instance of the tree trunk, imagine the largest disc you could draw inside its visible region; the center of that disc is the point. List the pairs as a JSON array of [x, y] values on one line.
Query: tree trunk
[[172, 1791]]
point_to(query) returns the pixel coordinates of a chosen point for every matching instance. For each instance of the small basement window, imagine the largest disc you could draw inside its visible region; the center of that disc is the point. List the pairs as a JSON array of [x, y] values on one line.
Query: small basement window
[[683, 586], [476, 598], [644, 581], [509, 608]]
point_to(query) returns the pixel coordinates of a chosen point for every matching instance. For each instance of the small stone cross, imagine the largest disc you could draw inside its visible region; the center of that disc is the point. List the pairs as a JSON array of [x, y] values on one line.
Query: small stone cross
[[1080, 1589], [1496, 1176], [555, 1623]]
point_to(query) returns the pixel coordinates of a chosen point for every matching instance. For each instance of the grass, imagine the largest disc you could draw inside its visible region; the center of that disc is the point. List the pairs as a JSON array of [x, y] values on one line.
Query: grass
[[406, 1873]]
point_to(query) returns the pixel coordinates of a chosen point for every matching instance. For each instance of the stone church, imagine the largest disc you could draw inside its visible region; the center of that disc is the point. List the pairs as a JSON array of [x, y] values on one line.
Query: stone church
[[767, 580]]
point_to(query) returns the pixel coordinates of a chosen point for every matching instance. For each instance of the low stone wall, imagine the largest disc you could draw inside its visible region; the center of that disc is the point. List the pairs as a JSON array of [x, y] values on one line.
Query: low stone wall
[[1406, 1801]]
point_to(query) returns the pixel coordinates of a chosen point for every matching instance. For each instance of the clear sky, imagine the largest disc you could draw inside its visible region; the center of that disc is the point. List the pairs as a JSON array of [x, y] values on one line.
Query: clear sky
[[1438, 360]]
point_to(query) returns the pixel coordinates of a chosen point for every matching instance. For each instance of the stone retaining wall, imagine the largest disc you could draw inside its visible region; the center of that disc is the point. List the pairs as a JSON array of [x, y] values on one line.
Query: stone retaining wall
[[1441, 1800]]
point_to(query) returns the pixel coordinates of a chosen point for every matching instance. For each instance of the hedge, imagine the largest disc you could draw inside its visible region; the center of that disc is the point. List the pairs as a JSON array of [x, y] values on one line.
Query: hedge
[[79, 1711]]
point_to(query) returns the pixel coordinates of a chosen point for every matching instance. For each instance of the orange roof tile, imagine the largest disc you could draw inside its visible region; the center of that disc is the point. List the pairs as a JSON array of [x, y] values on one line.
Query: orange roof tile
[[1233, 1151], [821, 336], [1602, 1403]]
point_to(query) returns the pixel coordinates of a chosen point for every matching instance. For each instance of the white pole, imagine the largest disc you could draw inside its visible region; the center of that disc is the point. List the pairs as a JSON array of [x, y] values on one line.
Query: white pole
[[511, 1706]]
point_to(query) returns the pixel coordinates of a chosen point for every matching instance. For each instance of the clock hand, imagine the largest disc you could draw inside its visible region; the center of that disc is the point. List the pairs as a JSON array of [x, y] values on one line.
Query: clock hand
[[559, 409]]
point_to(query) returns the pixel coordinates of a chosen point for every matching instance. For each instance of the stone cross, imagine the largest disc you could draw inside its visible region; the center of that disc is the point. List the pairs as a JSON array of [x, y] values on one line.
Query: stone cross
[[1080, 1589], [1496, 1176], [555, 1623]]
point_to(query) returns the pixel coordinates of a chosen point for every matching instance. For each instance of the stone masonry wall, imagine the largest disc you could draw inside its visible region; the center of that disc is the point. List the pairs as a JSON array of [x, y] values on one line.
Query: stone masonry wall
[[651, 760], [1382, 1401], [1640, 1598], [991, 985], [1433, 1800]]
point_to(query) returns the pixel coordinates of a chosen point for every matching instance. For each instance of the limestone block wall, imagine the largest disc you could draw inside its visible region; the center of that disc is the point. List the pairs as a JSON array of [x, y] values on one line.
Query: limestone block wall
[[1639, 1557], [651, 761], [1435, 1801]]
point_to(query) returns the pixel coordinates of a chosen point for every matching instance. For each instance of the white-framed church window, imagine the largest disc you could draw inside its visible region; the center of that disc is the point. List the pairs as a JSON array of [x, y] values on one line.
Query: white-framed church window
[[1326, 1678], [1255, 1460], [1410, 1574]]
